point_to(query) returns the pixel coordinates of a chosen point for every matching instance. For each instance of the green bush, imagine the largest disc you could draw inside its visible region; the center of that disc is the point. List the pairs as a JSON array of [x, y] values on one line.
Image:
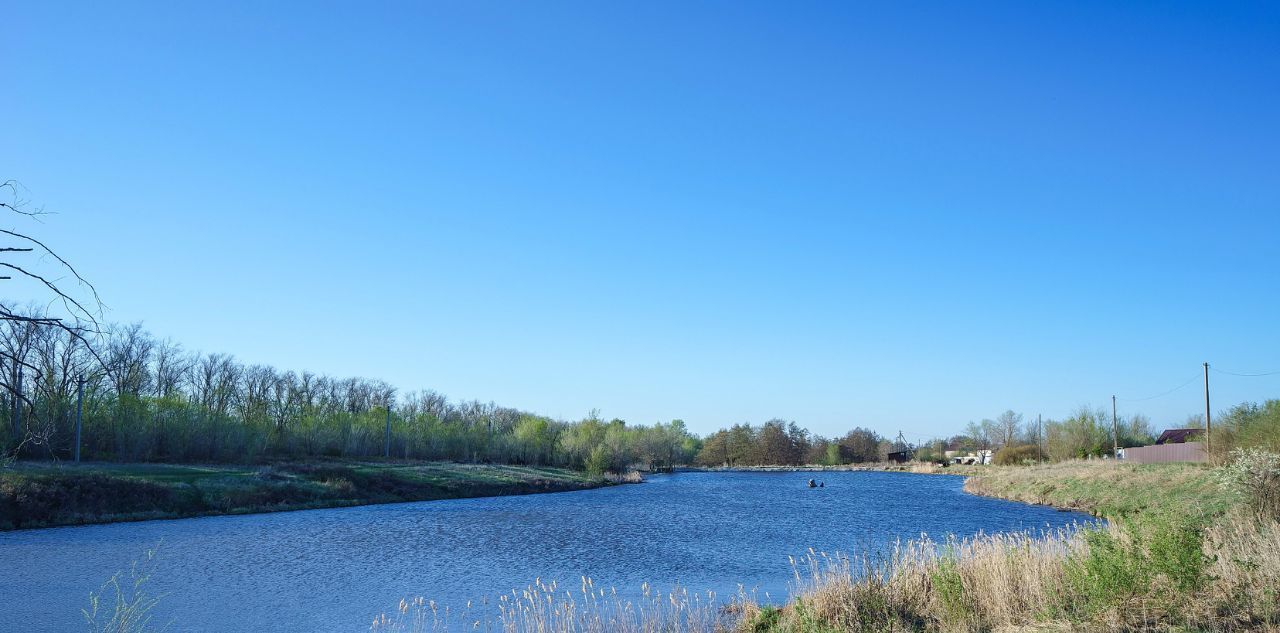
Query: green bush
[[1176, 548], [766, 621], [1141, 559], [1110, 572], [948, 585], [1014, 455], [598, 461]]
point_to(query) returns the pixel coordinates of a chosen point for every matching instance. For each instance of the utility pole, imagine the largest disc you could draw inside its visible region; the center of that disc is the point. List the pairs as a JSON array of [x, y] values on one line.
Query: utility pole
[[79, 413], [1208, 424], [1115, 430], [1039, 440], [17, 411], [386, 450]]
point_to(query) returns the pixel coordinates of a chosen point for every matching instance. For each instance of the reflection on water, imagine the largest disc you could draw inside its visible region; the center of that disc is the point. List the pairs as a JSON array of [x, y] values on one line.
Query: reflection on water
[[334, 570]]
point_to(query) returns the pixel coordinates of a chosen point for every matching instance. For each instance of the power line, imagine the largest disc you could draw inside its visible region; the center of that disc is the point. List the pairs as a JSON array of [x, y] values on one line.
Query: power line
[[1161, 395], [1231, 373]]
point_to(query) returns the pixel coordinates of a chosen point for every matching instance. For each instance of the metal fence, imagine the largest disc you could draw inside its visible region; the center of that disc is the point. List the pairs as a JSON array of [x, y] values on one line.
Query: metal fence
[[1188, 452]]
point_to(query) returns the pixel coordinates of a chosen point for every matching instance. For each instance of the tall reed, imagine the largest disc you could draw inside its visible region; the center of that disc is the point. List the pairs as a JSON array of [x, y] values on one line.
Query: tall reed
[[546, 607]]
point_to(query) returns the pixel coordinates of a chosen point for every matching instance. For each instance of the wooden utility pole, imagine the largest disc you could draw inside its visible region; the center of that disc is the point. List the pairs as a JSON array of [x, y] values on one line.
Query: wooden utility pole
[[1039, 440], [17, 411], [1208, 423], [1115, 431], [386, 450], [79, 413]]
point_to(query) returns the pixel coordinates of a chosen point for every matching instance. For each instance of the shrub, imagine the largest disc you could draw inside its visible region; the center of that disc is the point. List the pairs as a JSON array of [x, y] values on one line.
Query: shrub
[[1154, 561], [598, 461], [1013, 455], [948, 587], [1254, 474], [1108, 573], [765, 621]]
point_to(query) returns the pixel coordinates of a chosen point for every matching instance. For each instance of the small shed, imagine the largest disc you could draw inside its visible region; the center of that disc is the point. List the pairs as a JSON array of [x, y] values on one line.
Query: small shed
[[902, 456]]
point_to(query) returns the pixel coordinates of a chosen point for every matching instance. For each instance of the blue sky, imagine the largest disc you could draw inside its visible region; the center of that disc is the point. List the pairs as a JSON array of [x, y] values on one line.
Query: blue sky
[[896, 215]]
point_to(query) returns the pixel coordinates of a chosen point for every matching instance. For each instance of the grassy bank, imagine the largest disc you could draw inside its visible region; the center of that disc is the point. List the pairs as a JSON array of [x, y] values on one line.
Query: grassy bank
[[43, 495], [1107, 488]]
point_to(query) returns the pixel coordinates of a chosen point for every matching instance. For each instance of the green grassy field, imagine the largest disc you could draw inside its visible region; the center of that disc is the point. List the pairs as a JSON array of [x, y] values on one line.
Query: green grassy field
[[1108, 489], [43, 495]]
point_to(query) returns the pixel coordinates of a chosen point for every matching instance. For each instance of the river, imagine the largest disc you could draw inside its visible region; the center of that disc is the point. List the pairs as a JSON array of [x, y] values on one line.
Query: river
[[336, 569]]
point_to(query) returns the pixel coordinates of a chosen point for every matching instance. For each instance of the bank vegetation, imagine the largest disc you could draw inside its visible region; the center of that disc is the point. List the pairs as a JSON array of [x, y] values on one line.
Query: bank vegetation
[[150, 400], [46, 495]]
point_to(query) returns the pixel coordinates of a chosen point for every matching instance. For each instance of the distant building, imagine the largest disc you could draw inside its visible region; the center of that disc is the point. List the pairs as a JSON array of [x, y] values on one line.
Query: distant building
[[902, 451], [979, 457], [1179, 436], [902, 456]]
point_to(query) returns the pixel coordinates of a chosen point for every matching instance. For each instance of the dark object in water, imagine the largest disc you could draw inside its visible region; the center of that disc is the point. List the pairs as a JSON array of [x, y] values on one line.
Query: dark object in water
[[812, 484], [822, 484]]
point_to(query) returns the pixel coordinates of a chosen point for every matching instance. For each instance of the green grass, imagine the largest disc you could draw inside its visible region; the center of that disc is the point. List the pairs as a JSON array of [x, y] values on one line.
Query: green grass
[[1109, 489], [44, 495]]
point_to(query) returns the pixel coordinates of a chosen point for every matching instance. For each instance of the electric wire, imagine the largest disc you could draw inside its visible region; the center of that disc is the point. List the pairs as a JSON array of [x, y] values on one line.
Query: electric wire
[[1232, 373], [1161, 395]]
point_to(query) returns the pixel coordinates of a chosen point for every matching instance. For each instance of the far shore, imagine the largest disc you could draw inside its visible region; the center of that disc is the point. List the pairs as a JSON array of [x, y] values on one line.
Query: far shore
[[911, 467], [43, 494]]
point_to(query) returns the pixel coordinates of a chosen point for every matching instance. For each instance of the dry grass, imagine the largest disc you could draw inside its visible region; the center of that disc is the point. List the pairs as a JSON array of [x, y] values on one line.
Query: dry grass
[[1245, 555], [628, 477], [960, 584], [547, 608], [1134, 577]]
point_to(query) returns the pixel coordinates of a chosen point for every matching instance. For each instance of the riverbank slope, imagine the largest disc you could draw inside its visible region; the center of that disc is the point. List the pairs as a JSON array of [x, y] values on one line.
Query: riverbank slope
[[44, 495], [1108, 489]]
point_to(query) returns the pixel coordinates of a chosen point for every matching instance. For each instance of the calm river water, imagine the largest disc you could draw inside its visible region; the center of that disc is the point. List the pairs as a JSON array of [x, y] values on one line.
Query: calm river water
[[334, 570]]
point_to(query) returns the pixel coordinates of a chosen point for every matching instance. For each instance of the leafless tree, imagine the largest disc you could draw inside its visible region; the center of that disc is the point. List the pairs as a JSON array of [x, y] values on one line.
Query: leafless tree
[[286, 402], [65, 302], [214, 379], [170, 368], [128, 357], [1006, 427]]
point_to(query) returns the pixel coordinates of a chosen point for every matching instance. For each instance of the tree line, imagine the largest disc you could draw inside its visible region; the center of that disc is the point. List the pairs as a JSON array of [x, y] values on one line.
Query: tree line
[[147, 399], [781, 443], [1011, 436]]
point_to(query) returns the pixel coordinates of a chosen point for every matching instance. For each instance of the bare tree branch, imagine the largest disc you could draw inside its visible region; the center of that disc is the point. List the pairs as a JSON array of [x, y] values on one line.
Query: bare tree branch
[[51, 286]]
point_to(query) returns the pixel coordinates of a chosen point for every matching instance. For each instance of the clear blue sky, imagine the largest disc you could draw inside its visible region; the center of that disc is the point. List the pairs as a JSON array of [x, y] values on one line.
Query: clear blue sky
[[898, 215]]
